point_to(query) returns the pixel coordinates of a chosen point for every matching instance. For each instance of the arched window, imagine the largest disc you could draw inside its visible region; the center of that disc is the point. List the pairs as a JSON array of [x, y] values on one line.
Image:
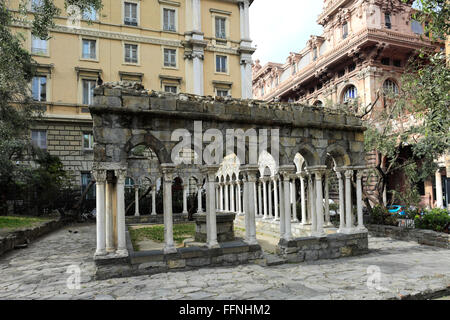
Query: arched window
[[318, 103], [390, 87], [350, 93]]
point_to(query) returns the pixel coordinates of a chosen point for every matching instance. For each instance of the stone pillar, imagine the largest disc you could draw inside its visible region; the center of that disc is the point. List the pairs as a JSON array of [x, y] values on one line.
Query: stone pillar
[[227, 192], [327, 200], [319, 202], [294, 200], [232, 192], [255, 199], [110, 246], [302, 198], [199, 198], [286, 231], [269, 195], [250, 228], [439, 195], [264, 180], [221, 197], [260, 208], [168, 169], [136, 200], [341, 202], [244, 198], [154, 200], [121, 175], [312, 203], [185, 191], [281, 207], [211, 225], [275, 197], [359, 176], [348, 200], [217, 196], [239, 202], [100, 180]]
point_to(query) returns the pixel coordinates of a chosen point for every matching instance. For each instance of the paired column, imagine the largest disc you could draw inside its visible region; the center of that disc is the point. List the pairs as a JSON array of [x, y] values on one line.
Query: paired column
[[221, 197], [199, 197], [260, 209], [239, 201], [327, 201], [294, 200], [275, 197], [110, 191], [264, 180], [232, 192], [319, 202], [211, 226], [341, 202], [285, 201], [154, 200], [359, 211], [348, 200], [100, 181], [136, 200], [168, 170], [227, 192], [120, 193], [302, 198], [250, 208], [185, 191]]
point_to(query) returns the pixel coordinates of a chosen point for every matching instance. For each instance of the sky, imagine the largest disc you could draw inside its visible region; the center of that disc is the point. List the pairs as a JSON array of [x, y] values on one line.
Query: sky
[[278, 27]]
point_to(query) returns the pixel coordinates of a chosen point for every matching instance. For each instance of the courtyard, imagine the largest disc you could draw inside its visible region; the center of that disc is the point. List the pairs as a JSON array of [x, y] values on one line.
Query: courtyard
[[42, 270]]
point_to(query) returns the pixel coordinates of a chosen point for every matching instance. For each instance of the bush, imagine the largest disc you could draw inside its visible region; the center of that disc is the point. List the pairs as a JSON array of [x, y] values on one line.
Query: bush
[[435, 219], [381, 215]]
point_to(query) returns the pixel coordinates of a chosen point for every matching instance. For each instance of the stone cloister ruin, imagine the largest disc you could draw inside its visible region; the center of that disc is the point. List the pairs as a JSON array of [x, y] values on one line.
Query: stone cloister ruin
[[295, 145]]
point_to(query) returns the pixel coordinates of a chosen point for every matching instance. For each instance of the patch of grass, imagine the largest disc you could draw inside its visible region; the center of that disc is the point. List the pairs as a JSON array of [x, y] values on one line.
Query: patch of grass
[[181, 232], [12, 222]]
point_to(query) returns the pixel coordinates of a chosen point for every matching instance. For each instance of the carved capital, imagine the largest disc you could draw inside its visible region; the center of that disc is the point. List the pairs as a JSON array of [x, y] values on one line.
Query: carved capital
[[99, 175], [121, 175]]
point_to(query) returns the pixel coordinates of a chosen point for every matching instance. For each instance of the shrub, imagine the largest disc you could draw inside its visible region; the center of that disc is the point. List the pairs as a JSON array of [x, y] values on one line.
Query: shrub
[[381, 215], [435, 219]]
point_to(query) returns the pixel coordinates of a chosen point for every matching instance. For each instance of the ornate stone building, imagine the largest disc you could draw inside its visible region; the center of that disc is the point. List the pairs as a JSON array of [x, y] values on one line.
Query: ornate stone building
[[363, 50], [194, 46]]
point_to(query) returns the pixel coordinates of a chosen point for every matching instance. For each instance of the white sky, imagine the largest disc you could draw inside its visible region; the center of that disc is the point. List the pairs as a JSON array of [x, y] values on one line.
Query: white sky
[[278, 27]]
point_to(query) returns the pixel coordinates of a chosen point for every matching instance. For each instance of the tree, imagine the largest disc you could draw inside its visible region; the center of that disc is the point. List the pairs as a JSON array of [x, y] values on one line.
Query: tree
[[434, 15], [17, 110]]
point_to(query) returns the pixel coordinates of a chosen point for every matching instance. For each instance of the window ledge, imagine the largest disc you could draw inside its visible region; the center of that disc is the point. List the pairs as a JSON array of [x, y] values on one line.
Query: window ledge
[[89, 60]]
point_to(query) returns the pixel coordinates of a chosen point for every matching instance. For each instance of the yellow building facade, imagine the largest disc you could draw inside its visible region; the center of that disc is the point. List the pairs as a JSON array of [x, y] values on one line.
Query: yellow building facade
[[195, 46]]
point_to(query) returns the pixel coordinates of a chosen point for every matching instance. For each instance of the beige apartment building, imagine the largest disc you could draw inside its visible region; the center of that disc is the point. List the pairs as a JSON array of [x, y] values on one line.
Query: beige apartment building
[[195, 46]]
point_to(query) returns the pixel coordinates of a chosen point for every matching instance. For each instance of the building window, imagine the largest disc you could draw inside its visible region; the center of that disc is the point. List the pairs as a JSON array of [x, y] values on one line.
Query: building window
[[39, 138], [314, 53], [89, 49], [390, 87], [351, 67], [397, 63], [171, 89], [38, 46], [387, 20], [169, 20], [318, 103], [220, 28], [344, 30], [130, 14], [90, 14], [129, 183], [39, 88], [35, 4], [131, 53], [350, 93], [88, 141], [221, 64], [221, 92], [88, 91], [385, 61], [85, 180], [170, 58]]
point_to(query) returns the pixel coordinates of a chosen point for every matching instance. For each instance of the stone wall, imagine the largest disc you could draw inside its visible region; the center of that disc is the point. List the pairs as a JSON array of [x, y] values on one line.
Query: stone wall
[[189, 258], [332, 246], [24, 236], [427, 237]]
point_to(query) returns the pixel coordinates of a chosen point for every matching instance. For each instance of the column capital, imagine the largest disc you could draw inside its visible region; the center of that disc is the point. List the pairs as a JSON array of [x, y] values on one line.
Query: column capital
[[168, 170], [360, 174], [251, 170], [301, 174], [121, 175], [348, 174], [99, 175]]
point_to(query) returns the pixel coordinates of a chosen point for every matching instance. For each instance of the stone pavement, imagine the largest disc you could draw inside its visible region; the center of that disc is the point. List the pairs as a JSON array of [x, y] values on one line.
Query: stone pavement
[[40, 272]]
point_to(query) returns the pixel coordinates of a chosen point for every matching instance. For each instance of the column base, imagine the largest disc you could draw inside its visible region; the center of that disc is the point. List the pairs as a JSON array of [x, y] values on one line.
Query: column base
[[213, 244], [361, 229], [184, 212], [101, 252], [153, 213], [110, 249], [251, 241], [328, 224], [122, 253], [318, 234], [170, 249], [295, 220], [137, 214], [199, 211]]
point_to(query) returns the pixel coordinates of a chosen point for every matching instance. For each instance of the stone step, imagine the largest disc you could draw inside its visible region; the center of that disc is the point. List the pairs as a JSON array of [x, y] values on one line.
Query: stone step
[[273, 260]]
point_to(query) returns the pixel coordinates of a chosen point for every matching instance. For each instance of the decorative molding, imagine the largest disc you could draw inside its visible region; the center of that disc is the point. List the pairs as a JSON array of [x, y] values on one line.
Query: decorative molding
[[218, 11], [169, 3]]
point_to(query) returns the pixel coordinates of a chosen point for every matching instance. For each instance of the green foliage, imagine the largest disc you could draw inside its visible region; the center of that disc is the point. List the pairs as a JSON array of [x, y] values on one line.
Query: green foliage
[[381, 215], [435, 15], [11, 222], [435, 219]]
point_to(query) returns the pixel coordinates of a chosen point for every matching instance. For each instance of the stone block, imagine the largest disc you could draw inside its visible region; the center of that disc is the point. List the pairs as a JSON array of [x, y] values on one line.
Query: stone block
[[107, 101], [165, 104], [176, 264], [136, 103], [346, 251]]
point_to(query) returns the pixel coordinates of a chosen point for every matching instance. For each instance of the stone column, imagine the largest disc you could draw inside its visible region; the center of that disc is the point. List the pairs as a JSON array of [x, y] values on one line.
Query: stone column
[[327, 201], [121, 175], [199, 198], [227, 192], [286, 232], [348, 200], [341, 202], [319, 202], [260, 208], [250, 209], [239, 202], [255, 199], [275, 197], [154, 200], [211, 225], [282, 205], [439, 195], [312, 203], [110, 246], [302, 198], [185, 190], [100, 180], [220, 197], [168, 169], [264, 180], [136, 200], [217, 196], [294, 200], [244, 197], [359, 211], [232, 203], [269, 195]]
